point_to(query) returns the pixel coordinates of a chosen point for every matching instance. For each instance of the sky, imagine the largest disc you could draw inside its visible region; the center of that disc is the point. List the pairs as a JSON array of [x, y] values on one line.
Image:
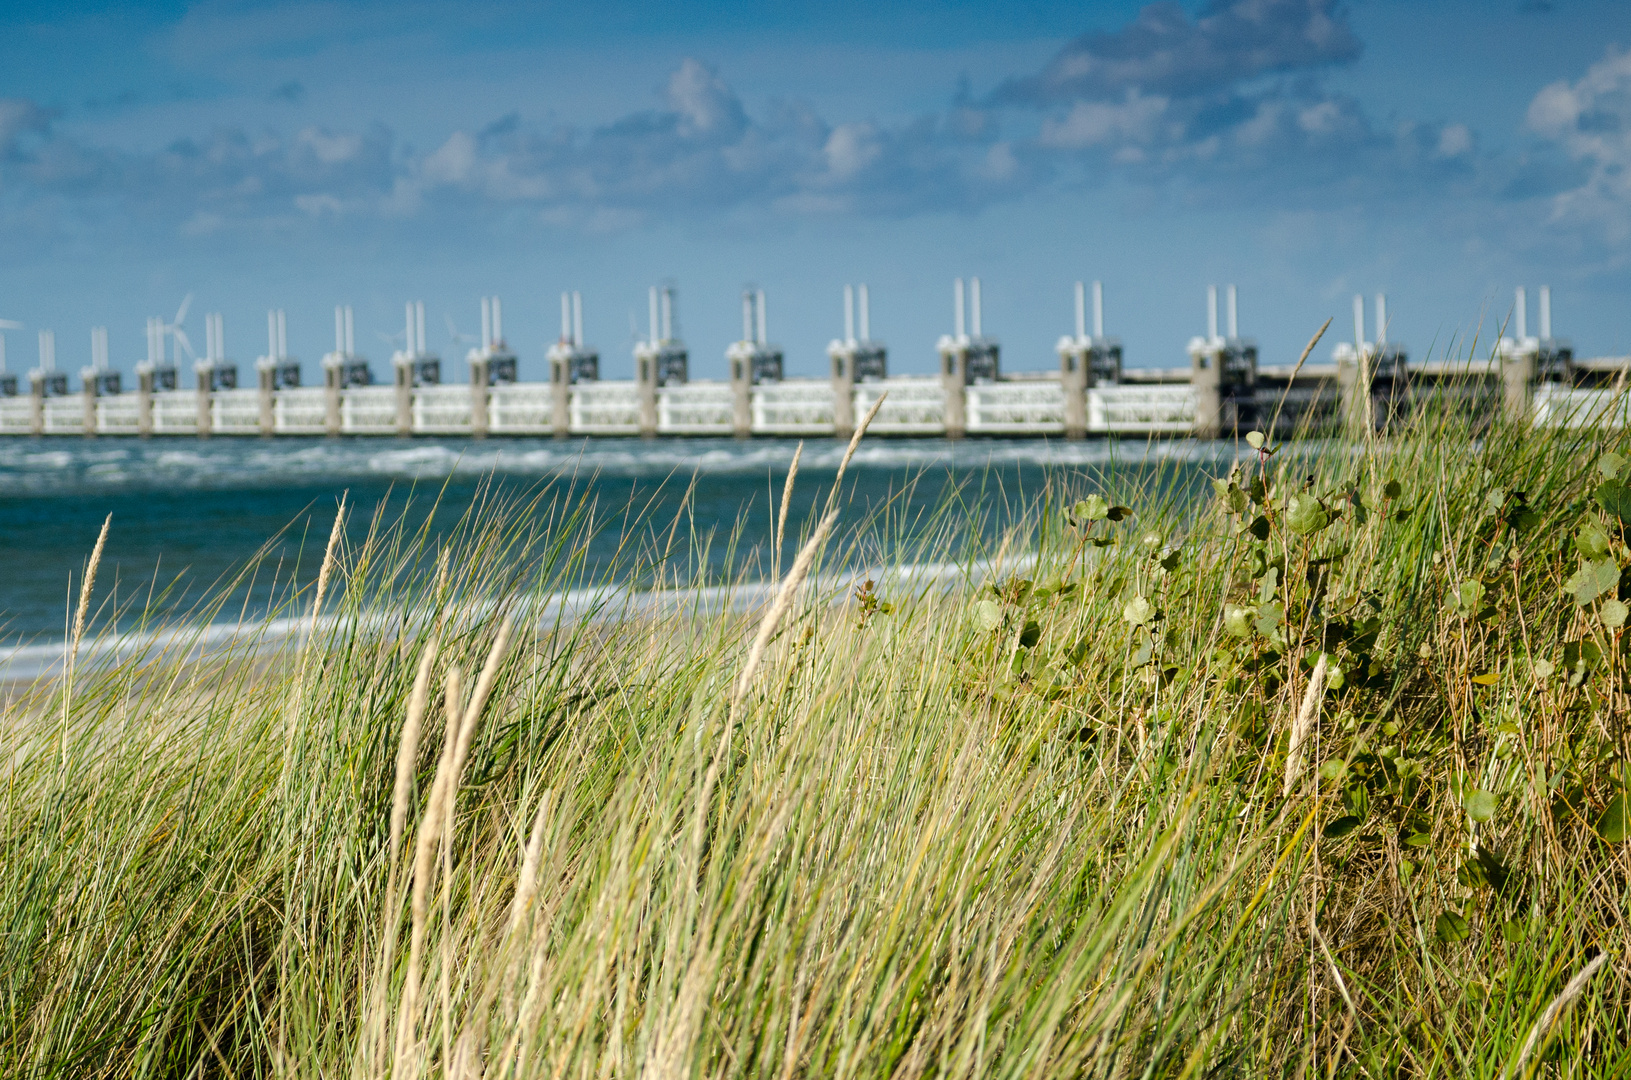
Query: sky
[[310, 153]]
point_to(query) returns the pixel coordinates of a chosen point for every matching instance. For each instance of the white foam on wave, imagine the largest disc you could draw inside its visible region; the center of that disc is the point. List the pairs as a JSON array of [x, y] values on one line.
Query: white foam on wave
[[26, 467]]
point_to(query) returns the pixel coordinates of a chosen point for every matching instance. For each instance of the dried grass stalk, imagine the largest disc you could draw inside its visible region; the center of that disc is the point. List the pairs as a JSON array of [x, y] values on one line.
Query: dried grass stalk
[[1303, 724]]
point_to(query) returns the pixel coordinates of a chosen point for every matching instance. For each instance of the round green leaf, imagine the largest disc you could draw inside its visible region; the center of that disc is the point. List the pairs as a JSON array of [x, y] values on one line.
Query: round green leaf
[[1092, 508], [1592, 540], [1450, 927], [1615, 823], [988, 613], [1306, 514], [1237, 620], [1611, 465], [1255, 439], [1138, 611], [1480, 805]]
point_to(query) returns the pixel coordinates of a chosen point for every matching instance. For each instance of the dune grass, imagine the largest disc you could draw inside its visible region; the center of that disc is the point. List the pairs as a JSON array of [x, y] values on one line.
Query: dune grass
[[1321, 773]]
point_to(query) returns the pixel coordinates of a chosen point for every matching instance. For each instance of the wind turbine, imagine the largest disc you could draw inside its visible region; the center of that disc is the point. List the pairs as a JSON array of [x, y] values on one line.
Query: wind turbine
[[454, 335], [178, 334]]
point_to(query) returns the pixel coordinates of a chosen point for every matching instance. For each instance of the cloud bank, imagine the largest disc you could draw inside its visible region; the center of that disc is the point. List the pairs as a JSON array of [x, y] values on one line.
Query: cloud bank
[[1229, 104]]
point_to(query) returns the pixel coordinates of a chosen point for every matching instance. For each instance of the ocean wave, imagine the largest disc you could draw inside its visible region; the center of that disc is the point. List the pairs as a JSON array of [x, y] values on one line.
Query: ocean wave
[[31, 467]]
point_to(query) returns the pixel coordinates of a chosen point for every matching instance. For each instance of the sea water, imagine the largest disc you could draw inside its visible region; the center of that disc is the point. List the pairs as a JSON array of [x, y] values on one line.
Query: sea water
[[189, 514]]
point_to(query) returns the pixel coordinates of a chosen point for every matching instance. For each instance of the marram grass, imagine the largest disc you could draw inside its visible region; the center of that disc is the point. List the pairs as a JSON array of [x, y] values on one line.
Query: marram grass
[[1322, 773]]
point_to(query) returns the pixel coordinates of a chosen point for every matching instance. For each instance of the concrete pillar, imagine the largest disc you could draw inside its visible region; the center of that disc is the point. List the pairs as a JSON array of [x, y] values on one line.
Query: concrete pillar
[[478, 398], [560, 398], [268, 405], [843, 392], [1517, 383], [36, 404], [331, 399], [88, 393], [206, 419], [1073, 379], [954, 384], [645, 378], [741, 396], [144, 401], [1206, 380], [404, 397]]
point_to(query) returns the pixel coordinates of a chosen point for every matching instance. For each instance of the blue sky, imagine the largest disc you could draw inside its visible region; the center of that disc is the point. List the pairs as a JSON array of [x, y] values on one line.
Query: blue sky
[[306, 154]]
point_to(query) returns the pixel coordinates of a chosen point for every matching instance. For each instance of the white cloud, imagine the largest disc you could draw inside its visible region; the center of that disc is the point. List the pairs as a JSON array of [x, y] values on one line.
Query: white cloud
[[1591, 121], [1095, 123]]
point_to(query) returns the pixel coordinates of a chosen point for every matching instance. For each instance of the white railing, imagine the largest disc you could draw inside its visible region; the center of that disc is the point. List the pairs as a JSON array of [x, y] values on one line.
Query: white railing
[[301, 411], [235, 412], [605, 408], [699, 408], [1168, 409], [65, 416], [175, 412], [794, 407], [520, 409], [368, 410], [118, 415], [442, 410], [16, 415], [1016, 408], [914, 406], [1563, 406]]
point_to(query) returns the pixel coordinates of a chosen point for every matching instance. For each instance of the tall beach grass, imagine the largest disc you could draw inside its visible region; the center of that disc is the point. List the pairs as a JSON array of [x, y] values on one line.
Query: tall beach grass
[[1319, 772]]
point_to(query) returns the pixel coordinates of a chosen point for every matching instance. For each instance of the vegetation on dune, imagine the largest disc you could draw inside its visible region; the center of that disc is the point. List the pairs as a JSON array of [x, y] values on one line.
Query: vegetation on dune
[[1321, 773]]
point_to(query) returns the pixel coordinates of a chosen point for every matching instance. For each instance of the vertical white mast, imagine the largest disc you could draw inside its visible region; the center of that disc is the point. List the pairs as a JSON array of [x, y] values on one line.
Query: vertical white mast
[[1211, 313], [763, 334], [1098, 309], [48, 350], [577, 319], [866, 326], [419, 326], [849, 314], [339, 329], [668, 313], [486, 324], [498, 322], [1359, 322], [1520, 309], [1546, 311], [747, 315], [1081, 311], [1381, 318], [1234, 313], [974, 304], [957, 307], [566, 317]]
